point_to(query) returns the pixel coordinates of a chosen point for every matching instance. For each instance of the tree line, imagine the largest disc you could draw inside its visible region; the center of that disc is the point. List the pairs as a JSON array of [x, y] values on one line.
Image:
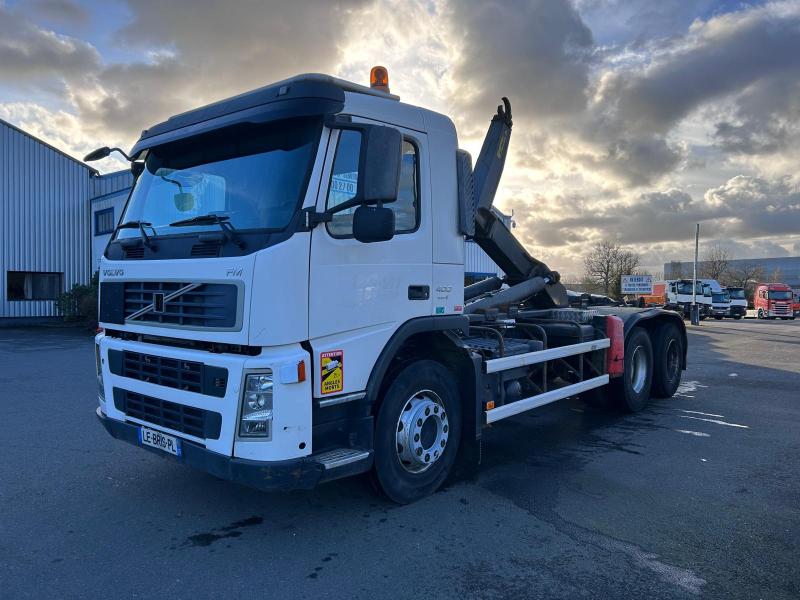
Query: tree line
[[607, 261]]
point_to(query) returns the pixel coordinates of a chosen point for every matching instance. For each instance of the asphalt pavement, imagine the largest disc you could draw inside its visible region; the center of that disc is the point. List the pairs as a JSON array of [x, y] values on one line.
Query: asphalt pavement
[[696, 497]]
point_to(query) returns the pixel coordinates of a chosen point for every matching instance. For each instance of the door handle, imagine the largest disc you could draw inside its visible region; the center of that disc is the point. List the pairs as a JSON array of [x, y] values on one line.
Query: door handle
[[419, 292]]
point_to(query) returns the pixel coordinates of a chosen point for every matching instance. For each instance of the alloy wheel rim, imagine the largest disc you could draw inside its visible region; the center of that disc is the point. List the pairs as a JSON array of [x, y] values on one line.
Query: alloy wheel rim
[[422, 432]]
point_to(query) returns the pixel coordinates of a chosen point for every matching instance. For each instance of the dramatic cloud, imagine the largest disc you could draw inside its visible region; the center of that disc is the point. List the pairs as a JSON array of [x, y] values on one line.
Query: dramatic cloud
[[28, 52], [537, 52], [59, 11], [633, 120]]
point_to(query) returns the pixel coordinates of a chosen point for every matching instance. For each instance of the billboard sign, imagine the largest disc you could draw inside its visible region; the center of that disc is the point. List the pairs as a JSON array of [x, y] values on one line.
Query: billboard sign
[[637, 284]]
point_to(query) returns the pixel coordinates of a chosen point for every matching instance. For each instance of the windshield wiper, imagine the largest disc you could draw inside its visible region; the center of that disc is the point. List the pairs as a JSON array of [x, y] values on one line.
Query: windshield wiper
[[228, 230], [140, 225]]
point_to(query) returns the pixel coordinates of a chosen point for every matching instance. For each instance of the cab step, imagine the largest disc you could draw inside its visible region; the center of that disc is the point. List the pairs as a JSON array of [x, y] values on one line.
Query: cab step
[[340, 457]]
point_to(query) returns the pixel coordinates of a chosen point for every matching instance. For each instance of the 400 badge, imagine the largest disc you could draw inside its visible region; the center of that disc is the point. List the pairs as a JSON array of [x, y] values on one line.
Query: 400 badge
[[331, 371]]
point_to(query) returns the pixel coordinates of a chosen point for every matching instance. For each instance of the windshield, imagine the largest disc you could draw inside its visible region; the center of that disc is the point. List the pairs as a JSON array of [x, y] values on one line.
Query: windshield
[[719, 297], [685, 287], [736, 294], [256, 177], [775, 295]]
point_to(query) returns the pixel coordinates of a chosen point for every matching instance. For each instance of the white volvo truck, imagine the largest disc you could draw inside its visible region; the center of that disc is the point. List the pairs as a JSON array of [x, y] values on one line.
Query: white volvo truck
[[283, 304]]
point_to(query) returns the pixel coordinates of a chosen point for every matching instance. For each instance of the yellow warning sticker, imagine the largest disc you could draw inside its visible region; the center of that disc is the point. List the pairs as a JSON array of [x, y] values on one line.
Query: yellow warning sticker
[[332, 371]]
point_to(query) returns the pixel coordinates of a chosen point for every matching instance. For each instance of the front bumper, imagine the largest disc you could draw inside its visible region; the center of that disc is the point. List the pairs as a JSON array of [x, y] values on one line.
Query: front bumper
[[298, 473]]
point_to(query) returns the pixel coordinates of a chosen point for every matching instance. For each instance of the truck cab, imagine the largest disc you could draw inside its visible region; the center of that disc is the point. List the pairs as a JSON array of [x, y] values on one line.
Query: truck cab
[[283, 301], [720, 304], [679, 297], [773, 301], [738, 302]]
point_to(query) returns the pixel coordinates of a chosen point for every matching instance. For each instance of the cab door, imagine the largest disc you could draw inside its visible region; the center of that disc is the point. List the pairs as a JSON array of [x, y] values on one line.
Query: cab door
[[360, 293]]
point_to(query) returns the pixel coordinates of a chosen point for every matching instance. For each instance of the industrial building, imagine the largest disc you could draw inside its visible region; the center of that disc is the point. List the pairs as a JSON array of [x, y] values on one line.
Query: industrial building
[[784, 270], [57, 215], [49, 205]]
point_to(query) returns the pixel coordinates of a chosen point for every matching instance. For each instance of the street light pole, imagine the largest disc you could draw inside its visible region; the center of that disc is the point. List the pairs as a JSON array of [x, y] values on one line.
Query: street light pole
[[695, 316]]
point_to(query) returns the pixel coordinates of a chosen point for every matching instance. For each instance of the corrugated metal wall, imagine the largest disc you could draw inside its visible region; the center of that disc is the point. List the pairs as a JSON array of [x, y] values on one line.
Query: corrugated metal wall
[[477, 262], [111, 183], [44, 217], [108, 191]]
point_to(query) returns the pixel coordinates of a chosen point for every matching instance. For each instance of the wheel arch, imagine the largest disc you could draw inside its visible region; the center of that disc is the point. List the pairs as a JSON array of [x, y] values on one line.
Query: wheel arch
[[434, 338]]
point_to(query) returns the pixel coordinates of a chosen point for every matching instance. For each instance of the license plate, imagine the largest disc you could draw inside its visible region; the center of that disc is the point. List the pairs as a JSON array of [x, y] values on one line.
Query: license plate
[[162, 441]]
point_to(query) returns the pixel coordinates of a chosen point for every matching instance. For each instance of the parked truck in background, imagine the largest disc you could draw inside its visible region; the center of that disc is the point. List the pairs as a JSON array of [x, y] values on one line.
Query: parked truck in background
[[773, 300], [679, 297], [659, 296], [717, 302], [720, 304], [738, 302], [283, 304]]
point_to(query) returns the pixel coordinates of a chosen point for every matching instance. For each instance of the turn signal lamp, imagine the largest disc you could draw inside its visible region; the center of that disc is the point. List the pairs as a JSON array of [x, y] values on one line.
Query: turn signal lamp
[[379, 79]]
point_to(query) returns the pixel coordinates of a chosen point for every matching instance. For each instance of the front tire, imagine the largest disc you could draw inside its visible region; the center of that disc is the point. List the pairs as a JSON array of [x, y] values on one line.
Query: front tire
[[632, 391], [417, 432], [667, 361]]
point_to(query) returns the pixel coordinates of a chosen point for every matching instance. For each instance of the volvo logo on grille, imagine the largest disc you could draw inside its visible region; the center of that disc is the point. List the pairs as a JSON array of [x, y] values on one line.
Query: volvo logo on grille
[[158, 303]]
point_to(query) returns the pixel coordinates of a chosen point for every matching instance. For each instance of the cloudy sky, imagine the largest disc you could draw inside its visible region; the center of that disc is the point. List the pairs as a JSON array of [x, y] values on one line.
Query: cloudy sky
[[633, 119]]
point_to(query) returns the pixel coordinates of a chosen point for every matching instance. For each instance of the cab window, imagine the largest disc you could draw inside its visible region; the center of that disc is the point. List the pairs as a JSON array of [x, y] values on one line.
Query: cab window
[[344, 183]]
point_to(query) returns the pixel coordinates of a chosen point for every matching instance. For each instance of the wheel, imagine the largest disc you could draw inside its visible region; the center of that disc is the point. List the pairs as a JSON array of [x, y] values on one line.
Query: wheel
[[737, 317], [417, 432], [632, 391], [718, 318], [760, 314], [667, 358]]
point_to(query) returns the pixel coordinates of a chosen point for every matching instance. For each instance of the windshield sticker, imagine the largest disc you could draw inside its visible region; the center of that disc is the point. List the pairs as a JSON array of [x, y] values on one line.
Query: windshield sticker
[[331, 371]]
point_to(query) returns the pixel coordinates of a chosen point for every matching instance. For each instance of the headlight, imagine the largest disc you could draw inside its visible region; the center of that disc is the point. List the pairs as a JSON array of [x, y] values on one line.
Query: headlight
[[101, 392], [256, 420]]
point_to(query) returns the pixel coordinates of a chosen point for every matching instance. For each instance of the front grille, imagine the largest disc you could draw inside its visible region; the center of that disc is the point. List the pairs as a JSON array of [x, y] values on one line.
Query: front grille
[[781, 310], [205, 250], [189, 376], [192, 421], [134, 252], [207, 305]]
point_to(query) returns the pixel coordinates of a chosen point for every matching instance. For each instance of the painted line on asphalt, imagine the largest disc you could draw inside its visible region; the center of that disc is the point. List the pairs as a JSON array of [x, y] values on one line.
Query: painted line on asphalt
[[695, 433], [715, 421], [697, 412]]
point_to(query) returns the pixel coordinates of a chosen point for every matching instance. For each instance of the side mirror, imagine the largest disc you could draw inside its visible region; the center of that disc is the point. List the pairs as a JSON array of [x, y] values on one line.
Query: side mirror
[[103, 152], [381, 160], [373, 224], [97, 154]]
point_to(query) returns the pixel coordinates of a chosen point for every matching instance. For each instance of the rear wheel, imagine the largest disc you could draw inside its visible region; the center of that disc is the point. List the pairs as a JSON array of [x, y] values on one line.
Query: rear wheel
[[632, 391], [417, 432], [667, 360]]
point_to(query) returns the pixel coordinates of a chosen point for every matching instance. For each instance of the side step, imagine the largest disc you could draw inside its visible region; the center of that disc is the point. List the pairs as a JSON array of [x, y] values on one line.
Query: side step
[[343, 462], [340, 457]]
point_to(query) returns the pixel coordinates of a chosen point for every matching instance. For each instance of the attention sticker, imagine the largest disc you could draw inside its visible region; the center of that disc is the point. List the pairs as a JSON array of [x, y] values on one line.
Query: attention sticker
[[331, 371]]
